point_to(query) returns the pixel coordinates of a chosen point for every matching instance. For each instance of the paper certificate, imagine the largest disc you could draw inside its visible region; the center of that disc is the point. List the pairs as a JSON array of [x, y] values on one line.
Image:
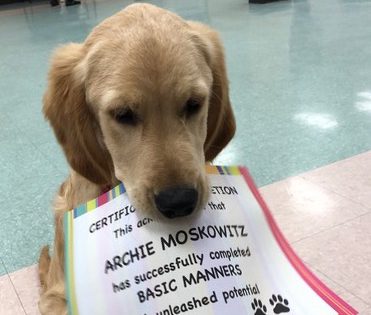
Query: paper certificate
[[231, 259]]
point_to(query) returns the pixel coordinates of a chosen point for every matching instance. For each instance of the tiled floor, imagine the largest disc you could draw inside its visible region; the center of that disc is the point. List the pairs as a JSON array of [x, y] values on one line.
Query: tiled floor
[[326, 215], [9, 302], [301, 88]]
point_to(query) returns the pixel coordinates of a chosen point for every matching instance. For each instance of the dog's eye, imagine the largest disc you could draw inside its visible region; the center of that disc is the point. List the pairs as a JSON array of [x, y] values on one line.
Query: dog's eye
[[125, 116], [192, 107]]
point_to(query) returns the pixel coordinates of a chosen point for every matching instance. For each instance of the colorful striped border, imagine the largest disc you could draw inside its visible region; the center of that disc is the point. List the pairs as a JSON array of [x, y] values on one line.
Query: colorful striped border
[[68, 263], [222, 170], [99, 201], [338, 304]]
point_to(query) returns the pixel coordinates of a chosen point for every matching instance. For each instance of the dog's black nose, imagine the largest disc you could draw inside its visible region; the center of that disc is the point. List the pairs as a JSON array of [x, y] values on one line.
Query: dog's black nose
[[176, 201]]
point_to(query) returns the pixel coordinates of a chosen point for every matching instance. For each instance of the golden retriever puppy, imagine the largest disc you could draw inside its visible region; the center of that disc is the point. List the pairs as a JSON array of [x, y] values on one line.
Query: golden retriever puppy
[[143, 100]]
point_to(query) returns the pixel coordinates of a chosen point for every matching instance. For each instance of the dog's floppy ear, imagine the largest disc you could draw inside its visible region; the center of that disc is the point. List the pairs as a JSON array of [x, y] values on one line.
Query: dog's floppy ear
[[221, 124], [74, 124]]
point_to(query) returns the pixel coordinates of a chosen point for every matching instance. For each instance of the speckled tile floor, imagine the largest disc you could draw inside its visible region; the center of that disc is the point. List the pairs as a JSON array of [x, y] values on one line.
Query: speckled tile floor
[[301, 89]]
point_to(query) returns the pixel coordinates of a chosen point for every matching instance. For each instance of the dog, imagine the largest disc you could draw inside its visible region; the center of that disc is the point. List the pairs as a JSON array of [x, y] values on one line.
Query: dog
[[144, 100]]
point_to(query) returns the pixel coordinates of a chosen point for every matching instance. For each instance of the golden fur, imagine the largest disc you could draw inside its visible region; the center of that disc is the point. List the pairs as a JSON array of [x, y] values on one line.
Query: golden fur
[[149, 61]]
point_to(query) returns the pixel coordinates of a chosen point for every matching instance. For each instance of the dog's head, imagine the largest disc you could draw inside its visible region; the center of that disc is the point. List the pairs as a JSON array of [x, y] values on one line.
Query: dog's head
[[145, 100]]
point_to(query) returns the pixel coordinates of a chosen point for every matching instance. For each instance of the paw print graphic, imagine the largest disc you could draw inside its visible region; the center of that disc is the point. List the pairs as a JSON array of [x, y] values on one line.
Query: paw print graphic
[[279, 304], [259, 307]]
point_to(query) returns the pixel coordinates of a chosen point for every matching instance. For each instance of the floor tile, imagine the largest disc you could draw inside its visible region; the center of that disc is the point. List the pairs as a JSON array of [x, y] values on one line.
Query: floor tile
[[9, 302], [350, 178], [24, 111], [366, 312], [8, 128], [28, 195], [2, 268], [53, 153], [19, 157], [37, 130], [303, 208], [27, 214], [343, 254], [27, 220], [351, 299], [26, 284], [22, 237]]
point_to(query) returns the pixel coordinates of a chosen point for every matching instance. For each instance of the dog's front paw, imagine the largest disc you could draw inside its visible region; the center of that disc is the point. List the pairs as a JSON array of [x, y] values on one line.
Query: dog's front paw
[[53, 302]]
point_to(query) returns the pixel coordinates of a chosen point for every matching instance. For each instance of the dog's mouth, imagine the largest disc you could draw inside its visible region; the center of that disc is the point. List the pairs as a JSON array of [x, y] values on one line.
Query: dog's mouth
[[177, 201], [171, 202]]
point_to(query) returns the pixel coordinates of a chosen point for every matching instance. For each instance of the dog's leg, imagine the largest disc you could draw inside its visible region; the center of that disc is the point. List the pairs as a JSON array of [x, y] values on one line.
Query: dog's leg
[[53, 300], [75, 190], [44, 264], [51, 269]]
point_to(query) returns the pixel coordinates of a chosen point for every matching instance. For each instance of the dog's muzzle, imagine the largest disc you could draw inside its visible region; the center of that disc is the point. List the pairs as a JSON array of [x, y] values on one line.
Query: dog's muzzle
[[176, 201]]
